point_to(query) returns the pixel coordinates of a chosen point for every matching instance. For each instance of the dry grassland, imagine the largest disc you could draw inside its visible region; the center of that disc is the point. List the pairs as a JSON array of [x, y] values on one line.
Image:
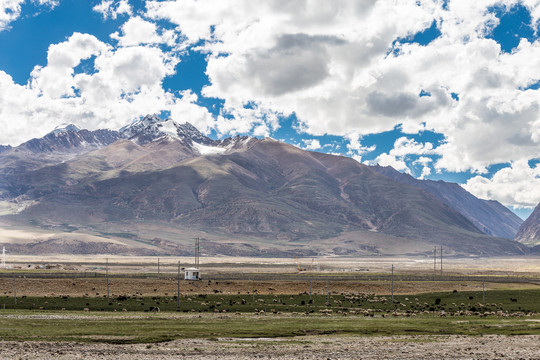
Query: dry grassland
[[527, 265], [154, 287]]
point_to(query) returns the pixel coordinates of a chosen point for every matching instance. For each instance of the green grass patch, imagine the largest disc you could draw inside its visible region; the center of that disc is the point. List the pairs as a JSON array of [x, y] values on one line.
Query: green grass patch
[[218, 316], [511, 301], [159, 328]]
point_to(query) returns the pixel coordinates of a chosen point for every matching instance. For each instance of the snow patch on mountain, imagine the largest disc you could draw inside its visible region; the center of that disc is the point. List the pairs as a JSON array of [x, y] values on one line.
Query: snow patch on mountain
[[169, 127], [208, 150]]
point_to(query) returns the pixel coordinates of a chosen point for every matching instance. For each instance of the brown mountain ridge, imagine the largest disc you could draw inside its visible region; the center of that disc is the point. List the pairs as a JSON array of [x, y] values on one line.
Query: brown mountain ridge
[[243, 195]]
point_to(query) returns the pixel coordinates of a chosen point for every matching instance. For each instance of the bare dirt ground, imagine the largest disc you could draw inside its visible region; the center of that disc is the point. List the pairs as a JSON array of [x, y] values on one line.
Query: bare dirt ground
[[320, 347], [153, 287], [167, 284], [411, 265]]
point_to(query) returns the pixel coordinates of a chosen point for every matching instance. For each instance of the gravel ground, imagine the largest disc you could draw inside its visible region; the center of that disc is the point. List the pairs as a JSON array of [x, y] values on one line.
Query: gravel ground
[[319, 347], [152, 287]]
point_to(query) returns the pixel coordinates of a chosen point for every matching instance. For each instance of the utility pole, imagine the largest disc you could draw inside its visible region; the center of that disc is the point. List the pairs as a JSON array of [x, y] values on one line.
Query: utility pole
[[107, 272], [197, 249], [178, 288], [483, 291], [434, 263], [392, 284], [441, 261], [327, 292]]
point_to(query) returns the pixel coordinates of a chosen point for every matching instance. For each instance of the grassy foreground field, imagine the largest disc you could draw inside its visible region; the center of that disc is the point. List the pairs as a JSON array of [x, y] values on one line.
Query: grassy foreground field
[[345, 311], [130, 319], [136, 328], [523, 301]]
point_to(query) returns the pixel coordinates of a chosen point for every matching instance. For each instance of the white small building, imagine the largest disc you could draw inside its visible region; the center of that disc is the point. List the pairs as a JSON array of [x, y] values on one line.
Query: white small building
[[192, 274]]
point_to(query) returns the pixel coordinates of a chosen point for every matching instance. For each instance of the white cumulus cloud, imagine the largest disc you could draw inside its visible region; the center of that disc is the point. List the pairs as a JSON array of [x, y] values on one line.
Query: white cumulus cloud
[[56, 79], [404, 146], [312, 144], [10, 10], [390, 160], [124, 84], [517, 185], [110, 9], [424, 162], [185, 109], [334, 65], [339, 69], [399, 156], [355, 149], [137, 31]]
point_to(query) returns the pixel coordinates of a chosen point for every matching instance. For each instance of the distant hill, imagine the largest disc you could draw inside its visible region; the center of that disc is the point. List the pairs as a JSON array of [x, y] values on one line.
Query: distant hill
[[162, 182], [491, 217], [529, 232]]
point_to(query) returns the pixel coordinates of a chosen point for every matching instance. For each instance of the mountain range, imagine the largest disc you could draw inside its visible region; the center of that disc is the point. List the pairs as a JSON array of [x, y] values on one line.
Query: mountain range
[[529, 232], [152, 186], [489, 216]]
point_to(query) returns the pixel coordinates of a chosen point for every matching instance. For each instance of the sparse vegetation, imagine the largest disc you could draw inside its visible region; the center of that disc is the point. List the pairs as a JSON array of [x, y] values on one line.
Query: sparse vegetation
[[134, 328], [142, 307], [498, 303]]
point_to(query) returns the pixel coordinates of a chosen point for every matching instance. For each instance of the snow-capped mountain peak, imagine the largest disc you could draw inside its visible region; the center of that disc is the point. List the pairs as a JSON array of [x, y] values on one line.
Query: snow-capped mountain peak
[[65, 128], [152, 127], [70, 139], [145, 126]]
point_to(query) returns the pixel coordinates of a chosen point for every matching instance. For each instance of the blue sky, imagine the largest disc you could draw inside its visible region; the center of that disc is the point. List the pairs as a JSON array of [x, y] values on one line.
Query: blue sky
[[443, 90]]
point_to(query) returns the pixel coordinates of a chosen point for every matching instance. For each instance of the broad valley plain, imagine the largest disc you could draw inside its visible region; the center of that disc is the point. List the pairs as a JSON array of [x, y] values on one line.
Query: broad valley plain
[[58, 306], [156, 241], [237, 179]]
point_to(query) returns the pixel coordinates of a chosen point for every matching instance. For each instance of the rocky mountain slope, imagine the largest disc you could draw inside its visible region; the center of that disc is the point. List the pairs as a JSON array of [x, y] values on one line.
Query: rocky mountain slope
[[257, 196], [61, 144], [529, 232], [491, 217], [69, 139]]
